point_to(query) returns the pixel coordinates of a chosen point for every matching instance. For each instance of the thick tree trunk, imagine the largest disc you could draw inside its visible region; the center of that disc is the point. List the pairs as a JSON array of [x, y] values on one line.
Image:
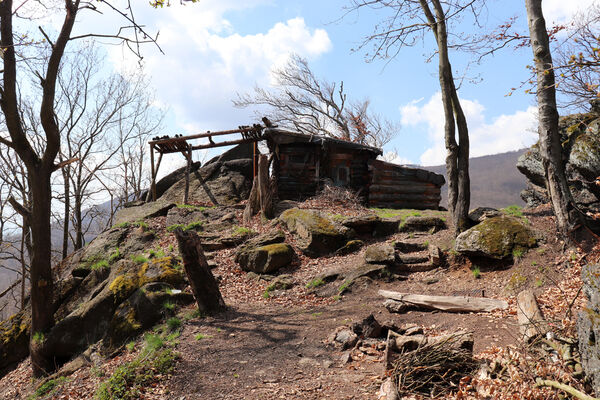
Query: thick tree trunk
[[203, 283], [261, 195], [550, 148], [463, 200], [42, 285]]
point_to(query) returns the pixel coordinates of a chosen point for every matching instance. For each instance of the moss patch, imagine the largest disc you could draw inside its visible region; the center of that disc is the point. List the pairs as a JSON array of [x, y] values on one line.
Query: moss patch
[[311, 220]]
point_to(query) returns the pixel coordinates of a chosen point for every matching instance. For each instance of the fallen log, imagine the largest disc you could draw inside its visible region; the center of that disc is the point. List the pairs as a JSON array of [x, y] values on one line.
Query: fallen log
[[531, 321], [446, 303]]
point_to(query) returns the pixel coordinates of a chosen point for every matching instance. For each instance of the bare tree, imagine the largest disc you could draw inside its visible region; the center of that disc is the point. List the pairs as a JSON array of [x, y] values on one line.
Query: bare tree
[[100, 118], [408, 21], [577, 60], [310, 105], [40, 165], [567, 216]]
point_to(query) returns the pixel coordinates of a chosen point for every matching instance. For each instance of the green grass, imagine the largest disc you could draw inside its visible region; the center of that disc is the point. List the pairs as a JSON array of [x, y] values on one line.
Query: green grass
[[337, 297], [315, 283], [122, 225], [156, 253], [169, 306], [538, 282], [476, 272], [193, 226], [201, 336], [192, 207], [141, 224], [48, 387], [173, 323], [514, 210], [170, 248], [266, 294], [242, 231], [38, 338], [99, 265], [139, 259], [115, 256], [130, 346], [517, 254], [344, 286]]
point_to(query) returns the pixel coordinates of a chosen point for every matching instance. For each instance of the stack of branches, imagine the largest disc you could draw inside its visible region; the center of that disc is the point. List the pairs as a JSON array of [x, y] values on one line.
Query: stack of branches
[[332, 195], [433, 369]]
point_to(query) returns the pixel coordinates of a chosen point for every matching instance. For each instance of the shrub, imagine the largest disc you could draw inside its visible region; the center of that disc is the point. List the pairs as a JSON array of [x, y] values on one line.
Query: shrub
[[173, 323]]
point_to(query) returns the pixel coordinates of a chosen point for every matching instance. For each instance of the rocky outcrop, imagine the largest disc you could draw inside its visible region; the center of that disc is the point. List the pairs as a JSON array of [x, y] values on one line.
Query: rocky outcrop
[[141, 212], [496, 238], [588, 325], [316, 234], [423, 224], [479, 214], [580, 138], [14, 340], [265, 254], [219, 183]]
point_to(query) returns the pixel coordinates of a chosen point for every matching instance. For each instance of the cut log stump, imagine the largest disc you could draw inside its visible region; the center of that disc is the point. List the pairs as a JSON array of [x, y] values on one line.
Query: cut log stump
[[203, 283], [531, 321]]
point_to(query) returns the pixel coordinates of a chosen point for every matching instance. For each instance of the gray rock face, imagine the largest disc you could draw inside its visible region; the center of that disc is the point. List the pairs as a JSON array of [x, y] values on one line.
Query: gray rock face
[[478, 214], [139, 213], [317, 235], [496, 238], [219, 183], [422, 224], [380, 254], [580, 138], [588, 325]]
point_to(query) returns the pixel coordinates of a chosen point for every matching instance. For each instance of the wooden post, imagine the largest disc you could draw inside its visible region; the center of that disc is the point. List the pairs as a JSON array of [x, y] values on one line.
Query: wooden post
[[255, 154], [153, 172], [188, 167], [203, 283]]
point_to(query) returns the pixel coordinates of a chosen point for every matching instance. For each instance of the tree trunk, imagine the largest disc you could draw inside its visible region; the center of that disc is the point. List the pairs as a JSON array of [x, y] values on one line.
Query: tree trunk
[[42, 285], [457, 159], [67, 189], [566, 215], [78, 222], [203, 284], [264, 187]]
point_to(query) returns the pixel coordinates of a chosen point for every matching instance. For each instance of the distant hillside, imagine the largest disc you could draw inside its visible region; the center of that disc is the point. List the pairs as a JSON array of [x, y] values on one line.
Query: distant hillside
[[495, 180]]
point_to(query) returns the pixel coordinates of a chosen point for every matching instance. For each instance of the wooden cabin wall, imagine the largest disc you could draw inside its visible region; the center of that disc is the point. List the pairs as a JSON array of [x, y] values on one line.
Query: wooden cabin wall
[[296, 171], [394, 186]]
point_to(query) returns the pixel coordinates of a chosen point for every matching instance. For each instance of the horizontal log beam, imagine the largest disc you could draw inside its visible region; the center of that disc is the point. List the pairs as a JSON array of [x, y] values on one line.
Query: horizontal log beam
[[447, 303]]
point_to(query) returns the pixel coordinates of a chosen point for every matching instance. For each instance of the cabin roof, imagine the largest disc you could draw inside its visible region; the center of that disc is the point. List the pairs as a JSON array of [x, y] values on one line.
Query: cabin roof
[[280, 136]]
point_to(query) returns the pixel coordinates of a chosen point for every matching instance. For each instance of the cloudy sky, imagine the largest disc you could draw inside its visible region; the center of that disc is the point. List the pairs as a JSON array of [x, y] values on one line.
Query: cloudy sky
[[216, 48]]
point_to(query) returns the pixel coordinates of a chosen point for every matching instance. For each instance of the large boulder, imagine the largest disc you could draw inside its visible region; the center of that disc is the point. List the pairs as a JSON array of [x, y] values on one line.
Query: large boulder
[[141, 212], [14, 340], [580, 140], [219, 183], [588, 325], [316, 234], [92, 319], [496, 238]]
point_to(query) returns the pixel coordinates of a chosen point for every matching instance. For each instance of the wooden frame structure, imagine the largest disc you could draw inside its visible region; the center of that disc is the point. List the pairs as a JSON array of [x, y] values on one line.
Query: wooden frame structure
[[181, 144]]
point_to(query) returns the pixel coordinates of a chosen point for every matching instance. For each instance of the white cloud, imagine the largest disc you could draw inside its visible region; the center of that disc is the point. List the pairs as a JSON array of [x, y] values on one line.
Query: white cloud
[[560, 11], [207, 61], [504, 133]]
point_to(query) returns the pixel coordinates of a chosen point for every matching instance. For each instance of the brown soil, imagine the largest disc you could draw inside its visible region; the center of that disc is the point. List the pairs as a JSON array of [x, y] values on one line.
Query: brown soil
[[277, 347]]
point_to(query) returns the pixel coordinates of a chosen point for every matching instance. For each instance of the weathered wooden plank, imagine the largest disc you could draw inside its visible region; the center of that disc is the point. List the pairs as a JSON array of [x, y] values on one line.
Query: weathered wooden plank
[[403, 197], [447, 303]]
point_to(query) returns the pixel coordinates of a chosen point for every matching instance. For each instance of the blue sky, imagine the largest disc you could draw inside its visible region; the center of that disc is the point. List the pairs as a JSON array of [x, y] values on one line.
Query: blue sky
[[217, 48]]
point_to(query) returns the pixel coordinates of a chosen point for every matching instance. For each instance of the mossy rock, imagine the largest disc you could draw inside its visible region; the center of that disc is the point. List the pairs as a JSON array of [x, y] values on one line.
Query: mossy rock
[[380, 254], [317, 235], [496, 238], [350, 247], [268, 259], [585, 153], [14, 340], [141, 212]]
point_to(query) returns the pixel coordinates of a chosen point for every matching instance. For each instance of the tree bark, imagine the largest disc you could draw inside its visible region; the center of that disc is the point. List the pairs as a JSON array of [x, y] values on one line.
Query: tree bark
[[203, 284], [457, 159], [264, 187], [531, 321], [565, 212], [67, 189]]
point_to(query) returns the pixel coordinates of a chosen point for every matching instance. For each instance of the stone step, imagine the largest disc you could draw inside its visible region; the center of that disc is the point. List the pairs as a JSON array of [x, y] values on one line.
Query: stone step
[[422, 224], [410, 247], [421, 267], [413, 258]]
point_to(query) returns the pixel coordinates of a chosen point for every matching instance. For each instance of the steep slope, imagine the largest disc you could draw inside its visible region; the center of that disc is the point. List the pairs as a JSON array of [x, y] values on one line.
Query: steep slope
[[495, 180]]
